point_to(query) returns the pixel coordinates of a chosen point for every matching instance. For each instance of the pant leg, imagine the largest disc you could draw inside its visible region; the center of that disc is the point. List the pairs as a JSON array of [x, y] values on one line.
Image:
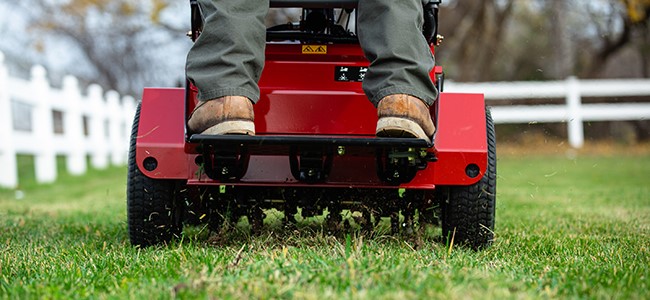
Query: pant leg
[[390, 33], [228, 57]]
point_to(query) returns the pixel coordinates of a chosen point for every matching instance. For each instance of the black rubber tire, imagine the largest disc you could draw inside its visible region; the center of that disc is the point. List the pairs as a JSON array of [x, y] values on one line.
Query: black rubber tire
[[154, 214], [468, 212]]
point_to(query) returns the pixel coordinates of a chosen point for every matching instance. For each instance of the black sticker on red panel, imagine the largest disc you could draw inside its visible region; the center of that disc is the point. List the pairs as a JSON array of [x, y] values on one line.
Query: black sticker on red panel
[[350, 74]]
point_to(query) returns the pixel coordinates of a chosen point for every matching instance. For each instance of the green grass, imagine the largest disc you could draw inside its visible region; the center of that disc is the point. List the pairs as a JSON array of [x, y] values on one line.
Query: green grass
[[565, 229]]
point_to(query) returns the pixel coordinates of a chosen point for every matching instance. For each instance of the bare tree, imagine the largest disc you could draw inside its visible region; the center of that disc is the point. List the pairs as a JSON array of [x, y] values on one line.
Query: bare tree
[[627, 25], [475, 30], [119, 42], [541, 39]]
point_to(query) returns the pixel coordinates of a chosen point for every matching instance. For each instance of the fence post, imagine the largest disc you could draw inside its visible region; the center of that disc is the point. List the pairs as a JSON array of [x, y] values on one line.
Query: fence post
[[128, 105], [114, 121], [8, 165], [96, 129], [73, 127], [45, 161], [575, 121]]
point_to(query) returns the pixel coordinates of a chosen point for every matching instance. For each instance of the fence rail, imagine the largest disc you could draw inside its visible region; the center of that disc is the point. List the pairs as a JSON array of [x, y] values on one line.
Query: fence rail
[[38, 120], [573, 112]]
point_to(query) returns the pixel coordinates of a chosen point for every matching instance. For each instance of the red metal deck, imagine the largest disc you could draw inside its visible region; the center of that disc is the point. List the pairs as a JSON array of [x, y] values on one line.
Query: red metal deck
[[300, 95]]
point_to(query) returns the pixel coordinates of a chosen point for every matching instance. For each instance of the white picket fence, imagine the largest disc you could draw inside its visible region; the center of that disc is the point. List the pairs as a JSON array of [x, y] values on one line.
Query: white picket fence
[[573, 111], [96, 125]]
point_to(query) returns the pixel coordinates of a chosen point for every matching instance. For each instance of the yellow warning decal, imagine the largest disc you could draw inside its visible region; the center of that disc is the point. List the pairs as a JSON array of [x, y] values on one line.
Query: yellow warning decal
[[314, 49]]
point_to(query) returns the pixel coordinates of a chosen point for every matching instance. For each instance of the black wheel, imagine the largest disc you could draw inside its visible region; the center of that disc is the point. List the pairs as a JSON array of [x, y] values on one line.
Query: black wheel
[[468, 211], [154, 214]]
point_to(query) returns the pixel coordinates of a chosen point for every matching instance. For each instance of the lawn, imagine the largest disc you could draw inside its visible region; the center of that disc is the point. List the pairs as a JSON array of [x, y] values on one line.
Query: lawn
[[575, 227]]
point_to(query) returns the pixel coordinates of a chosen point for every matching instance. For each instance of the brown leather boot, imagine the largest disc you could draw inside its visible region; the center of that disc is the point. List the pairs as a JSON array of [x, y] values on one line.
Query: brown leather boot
[[403, 115], [225, 115]]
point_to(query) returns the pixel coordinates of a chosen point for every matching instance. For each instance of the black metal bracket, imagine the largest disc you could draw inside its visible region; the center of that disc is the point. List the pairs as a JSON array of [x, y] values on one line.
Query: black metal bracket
[[225, 164], [400, 165], [311, 164], [430, 28], [196, 20]]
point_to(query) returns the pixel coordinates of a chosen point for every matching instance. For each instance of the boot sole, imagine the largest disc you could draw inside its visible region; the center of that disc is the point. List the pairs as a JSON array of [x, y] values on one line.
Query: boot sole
[[400, 127], [232, 127]]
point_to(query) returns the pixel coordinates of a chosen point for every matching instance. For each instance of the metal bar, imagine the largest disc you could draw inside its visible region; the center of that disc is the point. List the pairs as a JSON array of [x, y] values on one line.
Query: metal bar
[[261, 140]]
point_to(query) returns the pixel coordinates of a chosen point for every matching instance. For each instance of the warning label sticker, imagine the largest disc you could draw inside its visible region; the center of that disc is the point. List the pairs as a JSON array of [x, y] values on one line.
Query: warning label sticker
[[314, 49], [347, 73]]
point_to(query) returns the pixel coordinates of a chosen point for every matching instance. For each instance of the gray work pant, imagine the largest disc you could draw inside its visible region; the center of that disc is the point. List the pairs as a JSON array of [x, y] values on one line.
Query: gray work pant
[[228, 57]]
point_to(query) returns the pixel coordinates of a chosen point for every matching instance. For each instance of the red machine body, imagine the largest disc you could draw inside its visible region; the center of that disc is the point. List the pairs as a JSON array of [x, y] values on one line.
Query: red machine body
[[315, 152], [307, 93]]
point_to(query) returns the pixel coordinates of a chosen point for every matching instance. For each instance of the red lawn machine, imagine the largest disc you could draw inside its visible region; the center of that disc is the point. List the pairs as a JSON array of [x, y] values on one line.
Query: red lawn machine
[[315, 151]]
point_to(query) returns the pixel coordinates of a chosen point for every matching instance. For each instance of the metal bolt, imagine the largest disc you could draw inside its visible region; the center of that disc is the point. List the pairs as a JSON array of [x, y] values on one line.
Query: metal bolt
[[341, 150], [439, 39], [311, 172], [396, 174], [224, 171]]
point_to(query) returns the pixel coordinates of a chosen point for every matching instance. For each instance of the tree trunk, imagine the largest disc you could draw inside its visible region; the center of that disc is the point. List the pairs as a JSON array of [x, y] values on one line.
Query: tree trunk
[[563, 61]]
